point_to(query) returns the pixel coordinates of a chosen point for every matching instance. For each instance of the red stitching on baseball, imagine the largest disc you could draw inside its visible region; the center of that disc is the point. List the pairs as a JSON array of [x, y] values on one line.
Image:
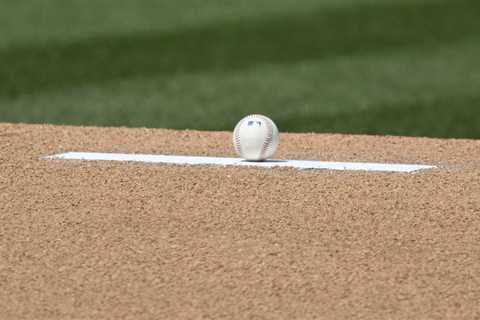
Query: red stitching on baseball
[[237, 141], [268, 139]]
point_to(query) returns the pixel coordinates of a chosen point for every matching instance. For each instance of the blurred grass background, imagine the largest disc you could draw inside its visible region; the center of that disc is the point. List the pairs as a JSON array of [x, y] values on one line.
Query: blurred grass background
[[355, 66]]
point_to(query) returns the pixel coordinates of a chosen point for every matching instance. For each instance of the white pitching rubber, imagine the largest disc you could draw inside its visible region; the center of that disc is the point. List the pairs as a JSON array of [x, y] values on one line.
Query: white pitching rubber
[[213, 161]]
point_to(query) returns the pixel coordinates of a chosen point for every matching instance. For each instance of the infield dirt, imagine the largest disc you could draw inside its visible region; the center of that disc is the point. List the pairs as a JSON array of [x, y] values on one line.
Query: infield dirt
[[104, 240]]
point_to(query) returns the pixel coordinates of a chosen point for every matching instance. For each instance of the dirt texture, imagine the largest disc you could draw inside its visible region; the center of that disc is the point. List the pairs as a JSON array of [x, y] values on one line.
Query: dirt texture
[[105, 240]]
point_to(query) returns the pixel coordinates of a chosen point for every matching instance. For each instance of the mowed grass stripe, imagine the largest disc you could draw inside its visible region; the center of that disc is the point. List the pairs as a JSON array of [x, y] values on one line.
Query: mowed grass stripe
[[376, 93], [236, 45], [45, 21], [444, 116]]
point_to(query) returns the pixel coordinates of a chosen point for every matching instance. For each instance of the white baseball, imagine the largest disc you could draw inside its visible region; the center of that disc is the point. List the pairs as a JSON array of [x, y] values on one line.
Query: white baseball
[[256, 138]]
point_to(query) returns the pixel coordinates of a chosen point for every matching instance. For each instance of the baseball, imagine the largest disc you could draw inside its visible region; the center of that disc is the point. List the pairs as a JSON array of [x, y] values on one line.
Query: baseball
[[256, 138]]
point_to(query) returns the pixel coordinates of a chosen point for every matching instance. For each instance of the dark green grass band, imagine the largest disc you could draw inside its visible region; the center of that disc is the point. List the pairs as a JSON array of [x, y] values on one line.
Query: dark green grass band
[[241, 44], [231, 46]]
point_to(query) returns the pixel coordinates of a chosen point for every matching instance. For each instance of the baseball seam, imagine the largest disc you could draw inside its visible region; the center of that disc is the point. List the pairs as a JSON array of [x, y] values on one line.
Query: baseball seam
[[237, 141], [268, 139]]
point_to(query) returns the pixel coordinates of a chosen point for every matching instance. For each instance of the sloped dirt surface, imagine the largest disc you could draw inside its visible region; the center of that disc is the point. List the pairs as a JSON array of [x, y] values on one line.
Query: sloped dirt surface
[[104, 240]]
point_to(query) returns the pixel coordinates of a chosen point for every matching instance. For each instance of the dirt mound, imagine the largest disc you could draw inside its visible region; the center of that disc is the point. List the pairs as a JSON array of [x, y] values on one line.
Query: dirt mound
[[95, 240]]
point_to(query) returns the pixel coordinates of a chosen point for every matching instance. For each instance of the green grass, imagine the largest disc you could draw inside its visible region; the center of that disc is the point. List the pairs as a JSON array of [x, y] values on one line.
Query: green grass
[[377, 67]]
